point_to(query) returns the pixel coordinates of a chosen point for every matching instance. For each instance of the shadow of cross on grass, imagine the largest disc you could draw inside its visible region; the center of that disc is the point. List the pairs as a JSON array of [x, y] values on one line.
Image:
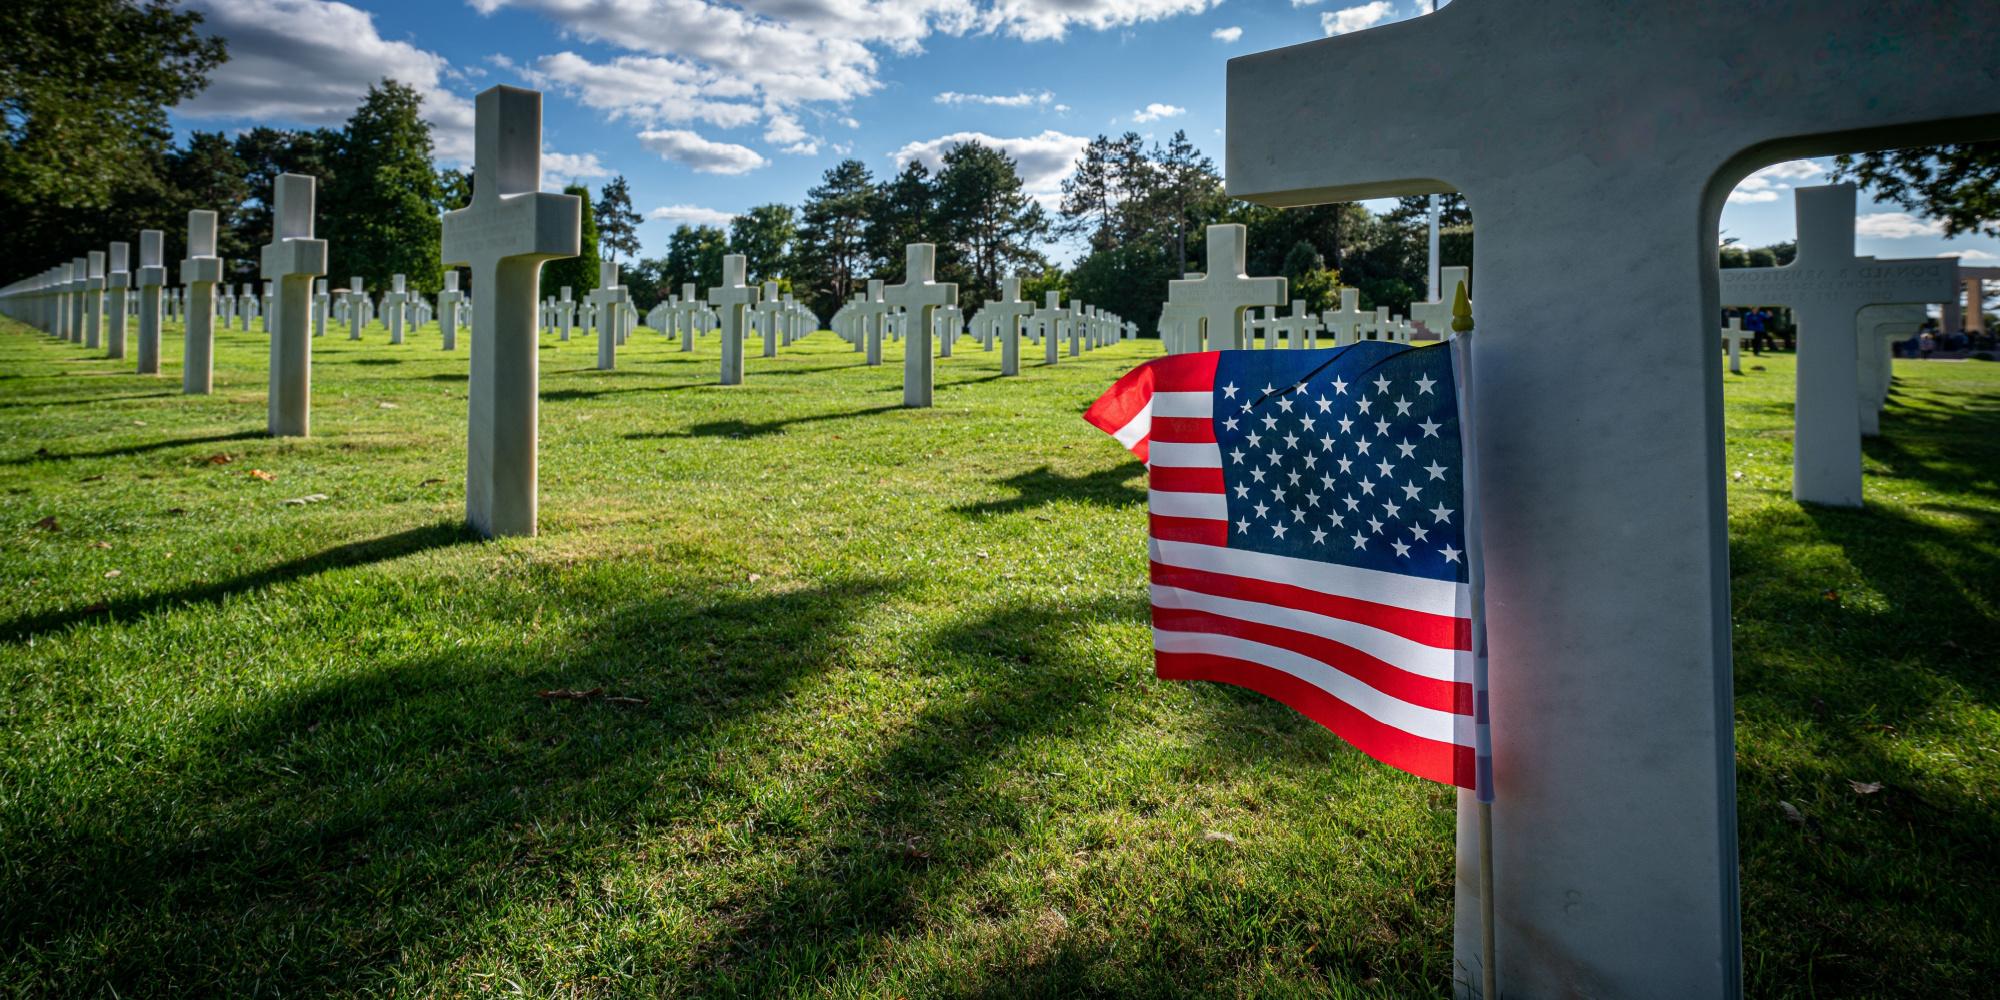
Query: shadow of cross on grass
[[900, 842], [160, 444], [387, 547], [1110, 487], [330, 836], [734, 428]]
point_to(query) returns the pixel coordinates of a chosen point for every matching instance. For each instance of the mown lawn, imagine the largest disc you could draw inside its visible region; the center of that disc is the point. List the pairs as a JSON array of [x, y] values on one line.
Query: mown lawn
[[865, 704]]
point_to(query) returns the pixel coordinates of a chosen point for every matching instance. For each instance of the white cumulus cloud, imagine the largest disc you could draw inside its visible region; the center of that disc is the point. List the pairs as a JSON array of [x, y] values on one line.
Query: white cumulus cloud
[[1764, 185], [560, 168], [645, 89], [691, 214], [708, 60], [310, 62], [702, 155], [1976, 257], [1020, 100], [1156, 111], [1044, 160], [1896, 225], [1227, 36], [1347, 19]]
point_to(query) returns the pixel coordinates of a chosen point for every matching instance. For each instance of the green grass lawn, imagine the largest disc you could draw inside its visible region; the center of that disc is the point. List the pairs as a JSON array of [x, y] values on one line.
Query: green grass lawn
[[867, 701]]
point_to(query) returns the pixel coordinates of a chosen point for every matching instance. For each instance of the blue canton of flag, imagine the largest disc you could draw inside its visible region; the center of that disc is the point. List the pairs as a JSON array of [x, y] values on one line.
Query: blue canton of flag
[[1349, 456]]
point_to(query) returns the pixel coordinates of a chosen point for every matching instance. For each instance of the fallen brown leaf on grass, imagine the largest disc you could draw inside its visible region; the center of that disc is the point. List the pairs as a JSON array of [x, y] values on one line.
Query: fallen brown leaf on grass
[[433, 481], [113, 574], [91, 479], [100, 545], [219, 459], [261, 474], [48, 524]]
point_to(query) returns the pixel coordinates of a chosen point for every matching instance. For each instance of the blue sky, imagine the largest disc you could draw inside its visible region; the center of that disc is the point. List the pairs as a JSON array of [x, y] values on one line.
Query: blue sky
[[709, 108]]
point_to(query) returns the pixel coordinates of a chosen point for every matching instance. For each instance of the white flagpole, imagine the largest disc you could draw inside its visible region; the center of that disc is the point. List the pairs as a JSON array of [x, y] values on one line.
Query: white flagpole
[[1461, 325]]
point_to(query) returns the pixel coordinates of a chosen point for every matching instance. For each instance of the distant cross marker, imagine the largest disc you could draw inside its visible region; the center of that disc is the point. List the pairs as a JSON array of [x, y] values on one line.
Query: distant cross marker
[[152, 275], [505, 235], [118, 279], [1008, 313], [1733, 334], [1218, 298], [448, 310], [200, 272]]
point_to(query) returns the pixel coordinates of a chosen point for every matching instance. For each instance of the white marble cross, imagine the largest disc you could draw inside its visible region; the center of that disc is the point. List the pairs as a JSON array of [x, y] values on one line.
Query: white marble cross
[[1300, 330], [392, 306], [1222, 292], [119, 280], [769, 305], [1876, 327], [320, 300], [1733, 334], [79, 284], [921, 296], [1008, 313], [609, 300], [1048, 323], [357, 308], [448, 310], [152, 275], [1433, 319], [93, 301], [201, 270], [293, 259], [1602, 499], [1825, 287], [731, 298], [1345, 324], [505, 235], [685, 313], [874, 315]]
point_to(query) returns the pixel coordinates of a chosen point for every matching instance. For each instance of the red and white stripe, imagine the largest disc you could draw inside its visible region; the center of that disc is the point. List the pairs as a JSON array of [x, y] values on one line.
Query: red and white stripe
[[1382, 659]]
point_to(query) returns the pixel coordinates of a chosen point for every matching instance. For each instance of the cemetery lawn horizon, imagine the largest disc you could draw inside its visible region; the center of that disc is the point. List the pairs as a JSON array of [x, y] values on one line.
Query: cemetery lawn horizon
[[799, 692]]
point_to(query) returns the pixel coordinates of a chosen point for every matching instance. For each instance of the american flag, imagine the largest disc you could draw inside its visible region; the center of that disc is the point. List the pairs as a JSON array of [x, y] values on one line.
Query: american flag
[[1308, 538]]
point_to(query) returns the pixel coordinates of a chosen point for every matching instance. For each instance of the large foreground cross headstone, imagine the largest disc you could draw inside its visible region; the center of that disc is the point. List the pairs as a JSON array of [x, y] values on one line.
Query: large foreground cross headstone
[[921, 296], [1826, 286], [505, 235], [1606, 532], [292, 259]]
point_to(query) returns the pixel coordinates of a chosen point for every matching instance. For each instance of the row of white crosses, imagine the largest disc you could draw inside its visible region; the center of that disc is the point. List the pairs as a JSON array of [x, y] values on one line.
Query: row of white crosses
[[1212, 310]]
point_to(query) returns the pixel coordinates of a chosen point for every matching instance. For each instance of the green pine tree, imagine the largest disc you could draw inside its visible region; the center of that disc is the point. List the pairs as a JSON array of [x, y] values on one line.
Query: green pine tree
[[578, 273], [380, 211]]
